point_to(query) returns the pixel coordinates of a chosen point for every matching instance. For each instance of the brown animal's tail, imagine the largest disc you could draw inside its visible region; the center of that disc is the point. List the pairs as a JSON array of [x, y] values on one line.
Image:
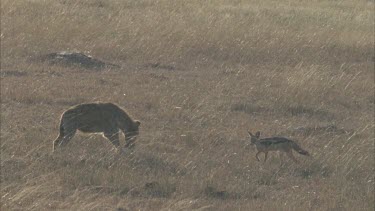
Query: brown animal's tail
[[301, 151]]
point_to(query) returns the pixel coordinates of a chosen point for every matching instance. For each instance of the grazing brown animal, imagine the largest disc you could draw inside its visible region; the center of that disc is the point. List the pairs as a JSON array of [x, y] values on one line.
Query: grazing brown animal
[[275, 144], [106, 118]]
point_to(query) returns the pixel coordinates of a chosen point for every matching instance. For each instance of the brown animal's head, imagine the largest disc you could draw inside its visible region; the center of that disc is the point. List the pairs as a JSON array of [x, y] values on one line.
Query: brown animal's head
[[254, 138], [132, 134], [136, 127]]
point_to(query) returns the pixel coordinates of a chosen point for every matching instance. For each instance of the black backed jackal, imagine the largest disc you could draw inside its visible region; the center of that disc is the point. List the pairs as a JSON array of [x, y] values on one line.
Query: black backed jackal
[[106, 118], [275, 144]]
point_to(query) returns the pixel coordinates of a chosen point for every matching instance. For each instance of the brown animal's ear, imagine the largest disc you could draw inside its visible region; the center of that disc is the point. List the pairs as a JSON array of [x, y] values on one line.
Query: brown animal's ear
[[257, 134], [137, 122], [250, 133]]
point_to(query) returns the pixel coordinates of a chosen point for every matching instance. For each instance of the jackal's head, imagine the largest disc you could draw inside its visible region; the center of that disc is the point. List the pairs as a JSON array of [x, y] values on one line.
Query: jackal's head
[[254, 138]]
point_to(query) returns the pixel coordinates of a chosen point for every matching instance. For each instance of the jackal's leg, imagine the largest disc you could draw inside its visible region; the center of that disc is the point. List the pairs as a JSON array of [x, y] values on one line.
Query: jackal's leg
[[265, 156], [113, 137], [290, 154], [257, 156]]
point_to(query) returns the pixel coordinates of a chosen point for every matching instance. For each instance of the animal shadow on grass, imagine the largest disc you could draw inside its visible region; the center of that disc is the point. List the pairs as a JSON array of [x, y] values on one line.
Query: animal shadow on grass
[[309, 112], [14, 73], [154, 164], [155, 189], [248, 109], [327, 129], [148, 190], [158, 65], [152, 189], [215, 193], [314, 169]]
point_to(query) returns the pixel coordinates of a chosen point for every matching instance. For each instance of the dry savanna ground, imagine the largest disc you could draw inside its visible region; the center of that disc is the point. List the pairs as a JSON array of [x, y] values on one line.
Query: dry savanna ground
[[198, 74]]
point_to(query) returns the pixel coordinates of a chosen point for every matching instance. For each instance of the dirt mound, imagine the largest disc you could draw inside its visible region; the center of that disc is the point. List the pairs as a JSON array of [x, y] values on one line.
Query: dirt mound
[[76, 59]]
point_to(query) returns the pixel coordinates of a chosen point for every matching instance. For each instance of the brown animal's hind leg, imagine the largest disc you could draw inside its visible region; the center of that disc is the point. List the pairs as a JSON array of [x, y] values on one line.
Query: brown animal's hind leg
[[290, 154], [257, 156], [113, 137], [57, 142]]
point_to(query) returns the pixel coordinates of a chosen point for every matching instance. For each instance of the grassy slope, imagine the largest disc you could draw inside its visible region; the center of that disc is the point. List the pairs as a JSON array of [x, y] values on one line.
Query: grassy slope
[[273, 66]]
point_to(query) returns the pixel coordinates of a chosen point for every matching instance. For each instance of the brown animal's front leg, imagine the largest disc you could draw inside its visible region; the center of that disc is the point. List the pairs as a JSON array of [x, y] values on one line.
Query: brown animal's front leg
[[130, 138], [290, 154], [63, 139], [257, 156], [113, 137], [130, 142]]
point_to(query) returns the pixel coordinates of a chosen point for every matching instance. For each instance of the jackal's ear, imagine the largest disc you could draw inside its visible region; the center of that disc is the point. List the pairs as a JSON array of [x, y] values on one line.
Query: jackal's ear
[[257, 134], [137, 122], [250, 133]]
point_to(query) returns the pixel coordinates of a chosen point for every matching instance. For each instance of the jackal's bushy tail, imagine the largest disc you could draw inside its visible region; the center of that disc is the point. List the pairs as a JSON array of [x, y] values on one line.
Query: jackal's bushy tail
[[301, 151]]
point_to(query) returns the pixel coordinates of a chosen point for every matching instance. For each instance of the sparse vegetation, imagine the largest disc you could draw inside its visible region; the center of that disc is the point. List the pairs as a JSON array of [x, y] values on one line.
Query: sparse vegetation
[[198, 74]]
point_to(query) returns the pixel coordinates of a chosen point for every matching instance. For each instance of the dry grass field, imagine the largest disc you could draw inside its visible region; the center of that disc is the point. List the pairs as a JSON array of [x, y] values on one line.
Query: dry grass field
[[198, 75]]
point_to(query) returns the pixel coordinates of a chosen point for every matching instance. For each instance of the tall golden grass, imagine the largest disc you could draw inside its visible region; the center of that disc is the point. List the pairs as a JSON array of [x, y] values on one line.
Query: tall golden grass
[[299, 69]]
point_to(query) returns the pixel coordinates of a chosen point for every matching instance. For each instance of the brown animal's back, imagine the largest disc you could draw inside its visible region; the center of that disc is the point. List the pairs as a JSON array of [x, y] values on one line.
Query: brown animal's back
[[96, 117]]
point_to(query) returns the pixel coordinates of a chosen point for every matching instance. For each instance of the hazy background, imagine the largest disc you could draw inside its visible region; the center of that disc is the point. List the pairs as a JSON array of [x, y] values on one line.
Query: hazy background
[[198, 74]]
